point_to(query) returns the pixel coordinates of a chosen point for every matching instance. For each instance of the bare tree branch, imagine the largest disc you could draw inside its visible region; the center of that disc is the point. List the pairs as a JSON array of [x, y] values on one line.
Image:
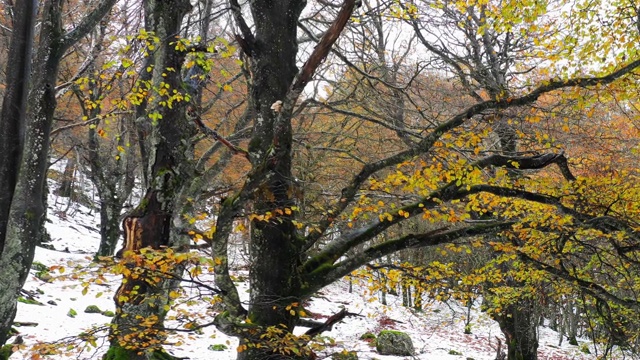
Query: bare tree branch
[[318, 55], [86, 24]]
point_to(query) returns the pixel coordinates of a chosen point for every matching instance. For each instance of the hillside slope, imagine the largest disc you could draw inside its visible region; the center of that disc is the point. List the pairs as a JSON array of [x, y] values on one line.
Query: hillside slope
[[437, 332]]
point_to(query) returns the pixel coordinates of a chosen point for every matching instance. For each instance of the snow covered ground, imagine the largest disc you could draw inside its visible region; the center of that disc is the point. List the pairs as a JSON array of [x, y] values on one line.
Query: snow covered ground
[[437, 332]]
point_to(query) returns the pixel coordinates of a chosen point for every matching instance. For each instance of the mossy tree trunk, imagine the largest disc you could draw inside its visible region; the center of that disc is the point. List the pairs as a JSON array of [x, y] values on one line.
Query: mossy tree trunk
[[23, 207], [15, 264], [275, 247], [150, 224], [519, 325]]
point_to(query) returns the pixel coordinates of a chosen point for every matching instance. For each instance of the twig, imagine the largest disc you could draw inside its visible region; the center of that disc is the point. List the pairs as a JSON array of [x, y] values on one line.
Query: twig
[[87, 122]]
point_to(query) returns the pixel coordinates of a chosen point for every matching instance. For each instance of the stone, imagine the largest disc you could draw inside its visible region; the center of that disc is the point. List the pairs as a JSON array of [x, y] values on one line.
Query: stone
[[391, 342], [92, 309], [345, 355]]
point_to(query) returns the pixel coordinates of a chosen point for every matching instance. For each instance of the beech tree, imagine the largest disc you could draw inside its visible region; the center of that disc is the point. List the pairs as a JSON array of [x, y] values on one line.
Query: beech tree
[[168, 114], [12, 121], [108, 152], [25, 133]]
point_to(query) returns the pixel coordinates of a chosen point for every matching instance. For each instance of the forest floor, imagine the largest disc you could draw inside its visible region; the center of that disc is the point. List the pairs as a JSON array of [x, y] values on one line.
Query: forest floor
[[437, 332]]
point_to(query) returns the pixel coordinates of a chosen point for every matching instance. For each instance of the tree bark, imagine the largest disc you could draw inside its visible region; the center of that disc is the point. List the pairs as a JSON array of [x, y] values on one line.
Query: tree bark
[[516, 325], [111, 171], [27, 208], [15, 263], [276, 248], [109, 227], [65, 189], [152, 223]]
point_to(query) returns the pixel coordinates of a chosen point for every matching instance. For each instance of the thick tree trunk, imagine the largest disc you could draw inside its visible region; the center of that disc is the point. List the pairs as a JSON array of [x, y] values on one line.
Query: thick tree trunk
[[26, 213], [519, 321], [150, 225], [275, 247], [14, 263], [519, 325], [14, 105], [27, 210]]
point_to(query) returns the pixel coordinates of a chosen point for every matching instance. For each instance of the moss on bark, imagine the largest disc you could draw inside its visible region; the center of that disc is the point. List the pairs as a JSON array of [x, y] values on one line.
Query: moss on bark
[[117, 352]]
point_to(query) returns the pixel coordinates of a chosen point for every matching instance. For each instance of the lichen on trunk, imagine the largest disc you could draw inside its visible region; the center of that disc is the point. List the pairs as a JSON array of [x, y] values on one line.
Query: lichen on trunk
[[144, 296]]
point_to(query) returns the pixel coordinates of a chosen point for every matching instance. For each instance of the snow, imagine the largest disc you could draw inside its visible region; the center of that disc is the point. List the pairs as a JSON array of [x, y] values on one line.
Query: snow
[[437, 332]]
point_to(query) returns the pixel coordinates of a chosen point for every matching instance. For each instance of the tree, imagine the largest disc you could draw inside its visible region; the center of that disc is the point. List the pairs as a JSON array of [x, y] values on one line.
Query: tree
[[12, 121], [27, 135], [141, 301], [111, 163]]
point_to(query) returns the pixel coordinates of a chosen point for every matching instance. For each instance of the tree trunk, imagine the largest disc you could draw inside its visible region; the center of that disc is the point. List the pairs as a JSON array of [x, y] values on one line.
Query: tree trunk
[[151, 224], [15, 263], [26, 213], [406, 294], [275, 247], [571, 316], [383, 287], [65, 189], [111, 173], [27, 209], [516, 325], [109, 227]]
